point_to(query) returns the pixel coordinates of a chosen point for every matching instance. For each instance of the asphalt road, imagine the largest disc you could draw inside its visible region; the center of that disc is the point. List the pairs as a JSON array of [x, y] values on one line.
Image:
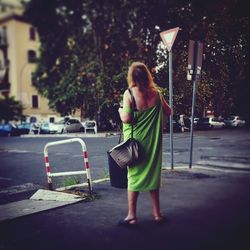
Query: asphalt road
[[206, 208], [22, 159]]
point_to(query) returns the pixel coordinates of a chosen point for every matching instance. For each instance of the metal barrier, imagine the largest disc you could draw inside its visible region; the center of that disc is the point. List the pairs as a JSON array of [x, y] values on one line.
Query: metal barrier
[[85, 157]]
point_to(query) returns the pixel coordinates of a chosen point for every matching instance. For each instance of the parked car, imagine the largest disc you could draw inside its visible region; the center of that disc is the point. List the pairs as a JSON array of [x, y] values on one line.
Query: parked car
[[9, 129], [196, 119], [209, 123], [234, 121], [48, 128], [60, 126], [90, 125], [176, 126], [24, 128], [73, 125]]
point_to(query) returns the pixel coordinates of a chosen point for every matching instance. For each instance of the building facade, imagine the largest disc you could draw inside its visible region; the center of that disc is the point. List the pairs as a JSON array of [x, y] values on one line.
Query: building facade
[[19, 48]]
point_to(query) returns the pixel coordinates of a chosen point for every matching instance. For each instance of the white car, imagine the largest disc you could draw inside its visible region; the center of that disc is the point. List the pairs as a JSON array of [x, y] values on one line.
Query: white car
[[60, 126], [210, 123], [48, 128], [73, 125], [234, 121]]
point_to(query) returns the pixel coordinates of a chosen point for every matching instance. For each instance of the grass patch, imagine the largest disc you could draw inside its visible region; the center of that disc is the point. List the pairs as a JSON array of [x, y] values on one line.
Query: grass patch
[[70, 181], [105, 173]]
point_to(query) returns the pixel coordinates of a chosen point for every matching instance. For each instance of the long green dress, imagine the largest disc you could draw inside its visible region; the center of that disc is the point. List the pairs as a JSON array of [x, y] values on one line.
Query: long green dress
[[146, 176]]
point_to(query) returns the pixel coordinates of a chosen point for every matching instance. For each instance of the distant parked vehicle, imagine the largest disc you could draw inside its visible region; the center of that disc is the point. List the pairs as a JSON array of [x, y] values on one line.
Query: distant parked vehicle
[[90, 125], [196, 119], [176, 126], [48, 128], [24, 128], [234, 121], [9, 129], [73, 125], [60, 126], [209, 123]]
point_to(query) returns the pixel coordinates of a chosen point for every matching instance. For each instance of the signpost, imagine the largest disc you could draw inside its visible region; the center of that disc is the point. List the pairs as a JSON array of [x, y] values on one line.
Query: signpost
[[168, 38], [194, 71]]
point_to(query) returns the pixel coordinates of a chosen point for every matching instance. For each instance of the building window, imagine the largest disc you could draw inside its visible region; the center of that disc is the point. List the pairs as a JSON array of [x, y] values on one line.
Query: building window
[[34, 101], [31, 56], [51, 119], [33, 119], [32, 34]]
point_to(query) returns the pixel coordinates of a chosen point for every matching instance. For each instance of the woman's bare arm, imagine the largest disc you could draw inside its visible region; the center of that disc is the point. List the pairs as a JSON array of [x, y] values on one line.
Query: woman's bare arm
[[126, 117], [166, 107]]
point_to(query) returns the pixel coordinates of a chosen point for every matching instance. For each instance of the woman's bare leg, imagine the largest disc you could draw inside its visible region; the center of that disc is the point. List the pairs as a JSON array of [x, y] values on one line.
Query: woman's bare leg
[[156, 203], [132, 202]]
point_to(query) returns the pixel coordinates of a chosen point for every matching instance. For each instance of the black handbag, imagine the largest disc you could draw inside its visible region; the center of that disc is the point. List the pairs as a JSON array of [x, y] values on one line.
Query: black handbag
[[129, 152], [126, 153]]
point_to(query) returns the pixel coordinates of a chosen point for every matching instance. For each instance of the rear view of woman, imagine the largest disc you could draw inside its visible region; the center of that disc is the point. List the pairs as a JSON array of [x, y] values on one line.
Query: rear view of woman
[[150, 107]]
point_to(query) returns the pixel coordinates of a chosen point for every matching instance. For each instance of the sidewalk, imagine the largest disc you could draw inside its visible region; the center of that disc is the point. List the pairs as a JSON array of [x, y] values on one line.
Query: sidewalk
[[205, 210]]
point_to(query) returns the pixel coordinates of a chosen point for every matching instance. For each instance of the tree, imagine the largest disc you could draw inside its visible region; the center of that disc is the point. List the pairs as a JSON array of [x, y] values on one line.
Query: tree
[[88, 45], [10, 109]]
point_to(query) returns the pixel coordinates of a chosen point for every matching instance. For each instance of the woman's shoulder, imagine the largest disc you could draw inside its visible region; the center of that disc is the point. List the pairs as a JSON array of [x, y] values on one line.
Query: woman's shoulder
[[154, 93]]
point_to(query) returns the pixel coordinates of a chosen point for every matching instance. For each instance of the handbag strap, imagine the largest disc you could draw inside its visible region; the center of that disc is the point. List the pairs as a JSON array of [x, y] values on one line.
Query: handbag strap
[[133, 110]]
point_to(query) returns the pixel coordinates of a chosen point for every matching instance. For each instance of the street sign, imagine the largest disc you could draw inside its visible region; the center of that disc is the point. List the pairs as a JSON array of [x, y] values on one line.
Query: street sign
[[195, 51], [168, 37]]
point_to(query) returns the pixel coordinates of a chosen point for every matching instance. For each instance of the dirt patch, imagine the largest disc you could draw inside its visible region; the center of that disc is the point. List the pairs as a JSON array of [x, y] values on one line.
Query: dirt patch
[[82, 193]]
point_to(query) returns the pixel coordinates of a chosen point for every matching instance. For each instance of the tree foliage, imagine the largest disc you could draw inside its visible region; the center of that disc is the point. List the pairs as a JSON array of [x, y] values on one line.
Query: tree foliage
[[87, 46], [10, 109]]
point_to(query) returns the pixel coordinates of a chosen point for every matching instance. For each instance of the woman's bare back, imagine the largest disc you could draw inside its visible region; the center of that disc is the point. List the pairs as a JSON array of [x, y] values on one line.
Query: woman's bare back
[[145, 99]]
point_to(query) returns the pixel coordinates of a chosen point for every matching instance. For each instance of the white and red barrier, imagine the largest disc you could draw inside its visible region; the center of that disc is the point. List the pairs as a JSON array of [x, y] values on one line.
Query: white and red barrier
[[85, 157]]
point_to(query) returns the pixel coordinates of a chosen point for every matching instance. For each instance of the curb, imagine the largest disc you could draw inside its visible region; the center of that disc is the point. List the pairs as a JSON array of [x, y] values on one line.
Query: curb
[[81, 135]]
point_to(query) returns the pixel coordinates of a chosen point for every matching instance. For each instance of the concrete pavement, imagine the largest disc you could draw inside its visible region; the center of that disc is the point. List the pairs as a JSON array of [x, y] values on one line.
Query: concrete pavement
[[205, 210]]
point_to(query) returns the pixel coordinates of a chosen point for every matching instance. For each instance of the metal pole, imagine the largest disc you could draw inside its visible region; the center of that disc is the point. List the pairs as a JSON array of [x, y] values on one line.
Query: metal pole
[[171, 106], [192, 125]]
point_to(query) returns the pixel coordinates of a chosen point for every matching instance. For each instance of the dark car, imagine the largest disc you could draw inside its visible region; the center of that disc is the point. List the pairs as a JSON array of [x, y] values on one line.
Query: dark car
[[176, 126], [9, 129]]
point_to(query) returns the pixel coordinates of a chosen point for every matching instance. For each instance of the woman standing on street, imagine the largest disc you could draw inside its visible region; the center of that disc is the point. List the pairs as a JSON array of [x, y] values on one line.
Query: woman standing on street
[[150, 105]]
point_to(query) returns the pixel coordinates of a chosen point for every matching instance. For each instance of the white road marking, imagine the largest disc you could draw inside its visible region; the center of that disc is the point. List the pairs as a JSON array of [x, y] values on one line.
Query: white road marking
[[17, 151]]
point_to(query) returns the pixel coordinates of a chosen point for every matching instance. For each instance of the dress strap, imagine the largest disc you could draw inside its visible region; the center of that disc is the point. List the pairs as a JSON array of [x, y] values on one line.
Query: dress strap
[[133, 110], [133, 99]]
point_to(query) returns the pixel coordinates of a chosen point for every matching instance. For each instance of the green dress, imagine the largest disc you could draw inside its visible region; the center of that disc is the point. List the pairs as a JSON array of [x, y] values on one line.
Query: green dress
[[146, 176]]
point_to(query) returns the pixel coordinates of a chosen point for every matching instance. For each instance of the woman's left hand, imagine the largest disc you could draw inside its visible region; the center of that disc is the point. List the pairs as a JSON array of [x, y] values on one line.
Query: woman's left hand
[[120, 110]]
